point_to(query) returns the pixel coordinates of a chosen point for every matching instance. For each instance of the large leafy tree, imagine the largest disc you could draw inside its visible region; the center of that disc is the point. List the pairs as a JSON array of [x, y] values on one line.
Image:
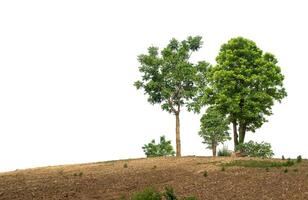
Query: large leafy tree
[[214, 128], [168, 77], [244, 85]]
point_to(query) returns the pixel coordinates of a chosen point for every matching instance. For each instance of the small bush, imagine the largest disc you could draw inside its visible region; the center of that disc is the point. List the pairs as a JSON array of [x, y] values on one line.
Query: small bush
[[223, 168], [295, 170], [147, 194], [152, 194], [205, 173], [285, 170], [255, 149], [164, 148], [125, 165], [224, 152], [299, 159], [267, 169]]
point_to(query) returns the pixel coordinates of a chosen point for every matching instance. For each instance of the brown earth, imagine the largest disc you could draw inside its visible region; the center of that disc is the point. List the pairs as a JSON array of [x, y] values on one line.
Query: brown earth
[[113, 179]]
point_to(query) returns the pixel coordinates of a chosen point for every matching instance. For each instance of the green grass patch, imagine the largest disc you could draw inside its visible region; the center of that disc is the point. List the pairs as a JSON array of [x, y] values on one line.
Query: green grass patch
[[258, 163]]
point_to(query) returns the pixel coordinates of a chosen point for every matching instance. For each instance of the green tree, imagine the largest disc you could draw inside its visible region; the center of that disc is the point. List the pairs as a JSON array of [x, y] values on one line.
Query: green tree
[[244, 85], [214, 128], [168, 77], [164, 148]]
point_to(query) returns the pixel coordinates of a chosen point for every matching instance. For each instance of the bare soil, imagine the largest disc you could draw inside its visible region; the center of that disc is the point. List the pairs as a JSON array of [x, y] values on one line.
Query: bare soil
[[113, 179]]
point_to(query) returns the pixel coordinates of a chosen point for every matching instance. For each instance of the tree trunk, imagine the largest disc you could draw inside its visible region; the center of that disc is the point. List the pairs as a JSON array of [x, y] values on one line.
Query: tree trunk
[[177, 134], [235, 135], [242, 132], [214, 147]]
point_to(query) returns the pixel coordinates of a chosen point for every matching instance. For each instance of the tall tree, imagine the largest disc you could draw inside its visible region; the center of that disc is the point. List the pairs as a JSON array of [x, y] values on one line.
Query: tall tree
[[244, 85], [168, 77], [214, 128]]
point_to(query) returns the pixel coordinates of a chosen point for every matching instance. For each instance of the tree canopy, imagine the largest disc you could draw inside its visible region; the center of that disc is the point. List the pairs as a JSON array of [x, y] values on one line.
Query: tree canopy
[[244, 84]]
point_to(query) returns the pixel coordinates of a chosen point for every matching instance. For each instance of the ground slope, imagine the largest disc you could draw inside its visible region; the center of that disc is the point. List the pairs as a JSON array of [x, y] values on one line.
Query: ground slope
[[113, 179]]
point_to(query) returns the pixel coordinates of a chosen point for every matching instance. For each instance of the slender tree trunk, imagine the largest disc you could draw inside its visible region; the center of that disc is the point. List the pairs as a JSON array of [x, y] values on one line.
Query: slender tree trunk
[[235, 135], [242, 132], [214, 147], [177, 134]]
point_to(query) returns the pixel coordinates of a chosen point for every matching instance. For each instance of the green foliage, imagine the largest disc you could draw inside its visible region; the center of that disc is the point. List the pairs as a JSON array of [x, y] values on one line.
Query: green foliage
[[244, 85], [169, 194], [299, 159], [224, 152], [168, 77], [258, 163], [152, 194], [214, 128], [164, 148], [205, 173], [147, 194], [254, 149]]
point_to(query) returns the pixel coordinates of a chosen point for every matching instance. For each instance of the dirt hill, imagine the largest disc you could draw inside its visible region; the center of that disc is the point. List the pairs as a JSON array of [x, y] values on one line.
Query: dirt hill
[[113, 179]]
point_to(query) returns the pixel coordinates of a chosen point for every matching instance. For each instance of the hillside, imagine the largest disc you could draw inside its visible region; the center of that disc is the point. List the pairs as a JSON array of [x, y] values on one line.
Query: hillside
[[111, 180]]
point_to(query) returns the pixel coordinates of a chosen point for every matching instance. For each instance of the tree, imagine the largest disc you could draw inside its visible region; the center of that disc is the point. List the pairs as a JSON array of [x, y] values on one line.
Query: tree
[[214, 128], [244, 85], [164, 148], [168, 77]]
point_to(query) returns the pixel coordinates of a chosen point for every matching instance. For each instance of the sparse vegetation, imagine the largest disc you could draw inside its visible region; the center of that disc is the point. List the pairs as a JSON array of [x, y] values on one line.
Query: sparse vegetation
[[224, 151], [125, 165], [255, 149], [258, 163], [163, 148], [152, 194], [223, 168]]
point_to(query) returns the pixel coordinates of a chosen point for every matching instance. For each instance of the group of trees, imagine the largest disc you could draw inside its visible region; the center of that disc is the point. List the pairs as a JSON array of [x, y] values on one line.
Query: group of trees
[[240, 89]]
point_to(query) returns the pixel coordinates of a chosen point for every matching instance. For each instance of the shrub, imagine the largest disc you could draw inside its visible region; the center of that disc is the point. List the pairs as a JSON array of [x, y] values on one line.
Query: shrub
[[255, 149], [125, 165], [164, 148], [299, 159], [205, 173], [285, 170], [147, 194], [152, 194], [224, 151]]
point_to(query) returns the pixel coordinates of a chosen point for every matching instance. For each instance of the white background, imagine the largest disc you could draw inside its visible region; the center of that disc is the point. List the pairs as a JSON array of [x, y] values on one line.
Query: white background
[[67, 70]]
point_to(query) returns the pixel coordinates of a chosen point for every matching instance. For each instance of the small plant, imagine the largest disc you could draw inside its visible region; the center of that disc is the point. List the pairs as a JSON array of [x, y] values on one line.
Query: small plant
[[125, 165], [224, 152], [285, 170], [299, 159], [267, 169], [223, 169], [295, 170], [154, 167], [80, 174], [282, 157], [169, 193], [205, 173]]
